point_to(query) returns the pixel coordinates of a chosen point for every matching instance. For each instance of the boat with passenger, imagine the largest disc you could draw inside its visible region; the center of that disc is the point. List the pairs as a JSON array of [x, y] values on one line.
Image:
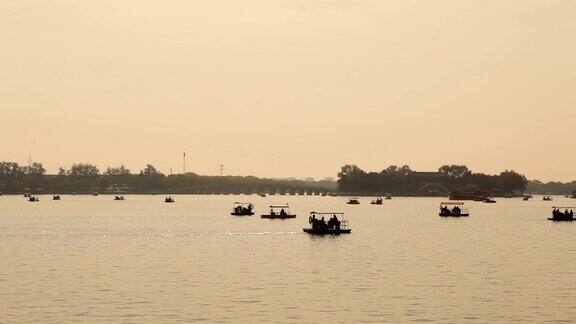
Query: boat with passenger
[[547, 198], [169, 200], [242, 209], [263, 195], [457, 209], [353, 201], [118, 197], [388, 197], [489, 200], [279, 212], [56, 197], [378, 201], [562, 216], [336, 225], [33, 199]]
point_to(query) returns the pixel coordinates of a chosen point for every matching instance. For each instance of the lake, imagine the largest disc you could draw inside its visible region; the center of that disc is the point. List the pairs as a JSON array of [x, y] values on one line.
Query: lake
[[92, 259]]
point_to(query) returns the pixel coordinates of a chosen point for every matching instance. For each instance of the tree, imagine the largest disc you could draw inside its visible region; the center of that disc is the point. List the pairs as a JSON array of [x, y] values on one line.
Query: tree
[[117, 172], [510, 180], [455, 171], [10, 169], [150, 170], [83, 170], [36, 169]]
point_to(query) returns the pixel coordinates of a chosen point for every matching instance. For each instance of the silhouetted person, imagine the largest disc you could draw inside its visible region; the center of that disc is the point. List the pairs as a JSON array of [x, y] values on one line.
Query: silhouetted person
[[322, 224]]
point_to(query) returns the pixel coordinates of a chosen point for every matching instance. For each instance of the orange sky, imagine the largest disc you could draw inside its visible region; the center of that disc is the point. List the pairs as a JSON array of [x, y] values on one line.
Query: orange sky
[[290, 87]]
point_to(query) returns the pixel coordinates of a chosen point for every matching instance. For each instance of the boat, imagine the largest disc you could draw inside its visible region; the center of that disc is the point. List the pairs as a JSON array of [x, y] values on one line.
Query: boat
[[378, 201], [388, 197], [263, 195], [333, 194], [547, 198], [27, 195], [526, 198], [353, 201], [456, 211], [33, 199], [242, 209], [324, 194], [319, 227], [559, 216], [118, 197], [279, 212], [56, 197], [169, 200], [95, 194], [461, 194], [489, 200]]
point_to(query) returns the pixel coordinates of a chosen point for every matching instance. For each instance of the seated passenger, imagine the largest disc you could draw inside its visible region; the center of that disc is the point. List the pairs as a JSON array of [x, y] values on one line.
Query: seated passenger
[[322, 224]]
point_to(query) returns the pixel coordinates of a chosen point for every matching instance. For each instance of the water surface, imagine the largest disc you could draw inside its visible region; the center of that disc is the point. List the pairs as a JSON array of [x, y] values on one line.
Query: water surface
[[93, 259]]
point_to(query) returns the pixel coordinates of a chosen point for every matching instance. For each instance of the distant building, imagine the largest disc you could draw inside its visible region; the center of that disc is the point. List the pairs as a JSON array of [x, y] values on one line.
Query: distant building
[[309, 179]]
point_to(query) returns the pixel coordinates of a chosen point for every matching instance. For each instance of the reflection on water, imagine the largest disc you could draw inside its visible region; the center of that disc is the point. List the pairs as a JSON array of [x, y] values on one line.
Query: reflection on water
[[141, 260]]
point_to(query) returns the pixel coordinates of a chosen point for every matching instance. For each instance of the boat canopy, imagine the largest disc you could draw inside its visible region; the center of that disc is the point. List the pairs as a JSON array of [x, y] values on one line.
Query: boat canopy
[[242, 204], [326, 213], [452, 203], [556, 207]]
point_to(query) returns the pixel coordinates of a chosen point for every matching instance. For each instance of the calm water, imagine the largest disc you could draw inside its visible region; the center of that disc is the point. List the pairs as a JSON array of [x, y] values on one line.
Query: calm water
[[92, 259]]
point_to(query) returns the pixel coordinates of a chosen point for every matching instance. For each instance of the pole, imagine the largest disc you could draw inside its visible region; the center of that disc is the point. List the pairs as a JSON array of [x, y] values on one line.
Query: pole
[[184, 163]]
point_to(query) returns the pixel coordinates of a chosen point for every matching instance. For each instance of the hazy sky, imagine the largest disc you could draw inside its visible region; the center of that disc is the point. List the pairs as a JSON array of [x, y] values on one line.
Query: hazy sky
[[291, 87]]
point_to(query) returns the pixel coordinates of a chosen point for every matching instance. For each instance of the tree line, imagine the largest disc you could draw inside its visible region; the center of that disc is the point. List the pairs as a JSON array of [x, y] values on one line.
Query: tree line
[[403, 180], [552, 187], [87, 178]]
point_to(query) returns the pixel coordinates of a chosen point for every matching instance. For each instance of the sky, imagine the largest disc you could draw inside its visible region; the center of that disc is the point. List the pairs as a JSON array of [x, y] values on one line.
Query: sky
[[280, 88]]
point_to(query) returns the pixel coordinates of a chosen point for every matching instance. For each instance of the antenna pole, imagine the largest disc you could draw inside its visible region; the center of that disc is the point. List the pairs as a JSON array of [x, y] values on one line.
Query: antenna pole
[[184, 163]]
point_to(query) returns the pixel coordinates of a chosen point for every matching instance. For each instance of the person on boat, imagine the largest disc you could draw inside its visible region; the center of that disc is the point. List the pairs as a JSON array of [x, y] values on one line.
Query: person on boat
[[566, 213], [322, 224], [272, 213], [555, 213], [334, 223], [282, 212], [571, 213], [456, 210], [312, 220]]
